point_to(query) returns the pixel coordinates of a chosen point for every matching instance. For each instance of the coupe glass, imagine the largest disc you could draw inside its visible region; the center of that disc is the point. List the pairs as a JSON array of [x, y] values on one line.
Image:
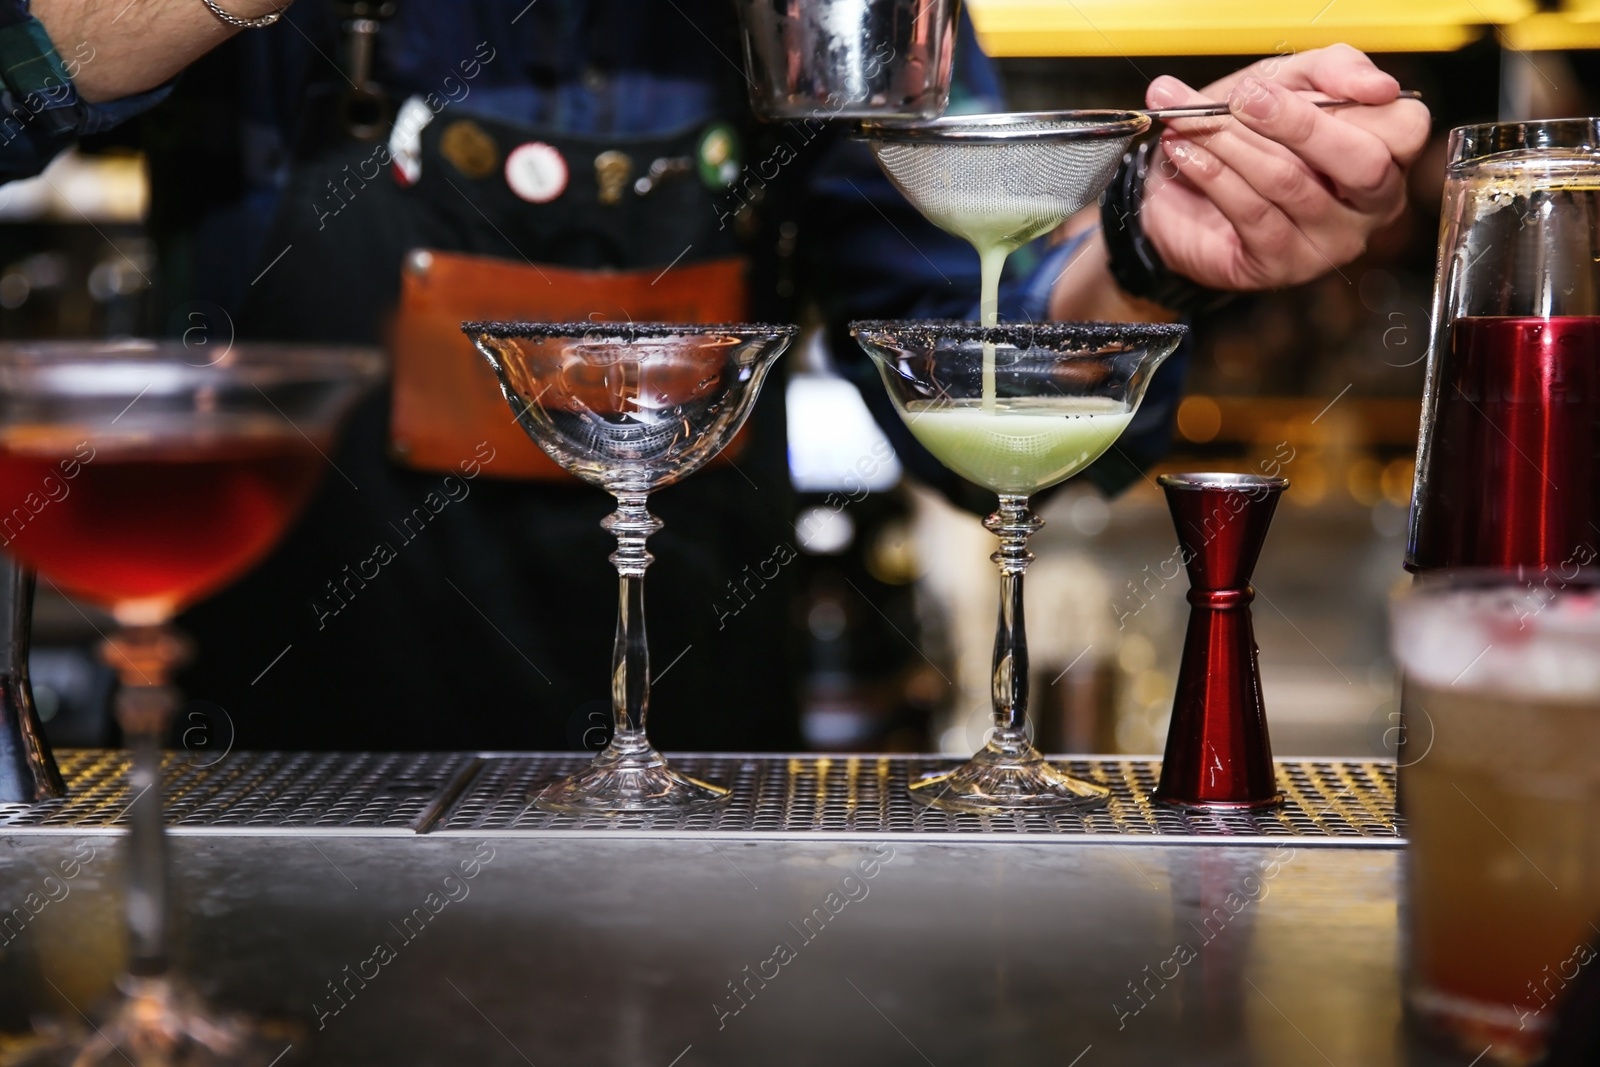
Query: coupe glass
[[136, 479], [630, 408], [1052, 399]]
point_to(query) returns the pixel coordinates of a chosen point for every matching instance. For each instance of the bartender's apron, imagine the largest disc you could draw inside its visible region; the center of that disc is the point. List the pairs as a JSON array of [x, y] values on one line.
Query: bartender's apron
[[417, 607]]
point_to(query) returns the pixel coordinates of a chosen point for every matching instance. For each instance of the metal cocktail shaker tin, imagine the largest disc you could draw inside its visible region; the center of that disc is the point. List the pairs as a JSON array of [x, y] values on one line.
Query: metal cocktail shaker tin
[[848, 59]]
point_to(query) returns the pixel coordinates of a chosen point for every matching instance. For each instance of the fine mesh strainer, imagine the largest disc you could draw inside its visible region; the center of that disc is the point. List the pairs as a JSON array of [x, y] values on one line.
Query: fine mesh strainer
[[1004, 179]]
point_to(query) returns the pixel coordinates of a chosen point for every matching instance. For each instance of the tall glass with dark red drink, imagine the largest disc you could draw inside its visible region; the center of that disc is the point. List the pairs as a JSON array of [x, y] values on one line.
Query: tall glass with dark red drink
[[1508, 466], [1514, 475]]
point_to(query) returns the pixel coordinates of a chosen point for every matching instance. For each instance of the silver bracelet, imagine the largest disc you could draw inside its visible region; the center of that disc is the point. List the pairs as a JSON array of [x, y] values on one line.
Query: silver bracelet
[[243, 24]]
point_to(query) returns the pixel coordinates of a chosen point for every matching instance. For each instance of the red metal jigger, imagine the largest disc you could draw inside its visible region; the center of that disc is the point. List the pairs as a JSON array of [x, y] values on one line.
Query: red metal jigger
[[1218, 754]]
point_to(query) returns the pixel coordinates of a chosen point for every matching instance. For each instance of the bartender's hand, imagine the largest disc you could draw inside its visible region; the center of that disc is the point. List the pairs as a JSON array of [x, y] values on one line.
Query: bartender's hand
[[111, 56], [1281, 191], [1276, 193]]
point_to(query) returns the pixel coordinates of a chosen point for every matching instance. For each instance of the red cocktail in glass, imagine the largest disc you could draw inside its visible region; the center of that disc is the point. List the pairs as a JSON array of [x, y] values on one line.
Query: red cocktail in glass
[[138, 477], [147, 529]]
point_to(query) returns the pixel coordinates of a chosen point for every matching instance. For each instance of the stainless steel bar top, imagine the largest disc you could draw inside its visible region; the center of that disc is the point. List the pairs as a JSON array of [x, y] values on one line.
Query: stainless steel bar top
[[1328, 802], [306, 894], [683, 951]]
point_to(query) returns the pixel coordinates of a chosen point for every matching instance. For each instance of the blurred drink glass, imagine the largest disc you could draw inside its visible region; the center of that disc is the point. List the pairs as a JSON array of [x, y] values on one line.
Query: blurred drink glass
[[1500, 788]]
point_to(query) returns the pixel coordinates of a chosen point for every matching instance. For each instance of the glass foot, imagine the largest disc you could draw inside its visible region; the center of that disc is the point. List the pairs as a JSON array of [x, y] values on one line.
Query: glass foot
[[157, 1023], [627, 783], [1001, 779]]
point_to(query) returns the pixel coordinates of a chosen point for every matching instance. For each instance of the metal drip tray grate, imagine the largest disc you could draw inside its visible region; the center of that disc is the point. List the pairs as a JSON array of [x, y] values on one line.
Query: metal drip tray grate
[[396, 793], [1353, 802], [256, 790]]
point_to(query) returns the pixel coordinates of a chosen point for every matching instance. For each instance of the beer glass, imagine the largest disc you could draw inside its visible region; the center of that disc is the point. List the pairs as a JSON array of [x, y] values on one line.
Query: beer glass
[[1500, 786], [1508, 466]]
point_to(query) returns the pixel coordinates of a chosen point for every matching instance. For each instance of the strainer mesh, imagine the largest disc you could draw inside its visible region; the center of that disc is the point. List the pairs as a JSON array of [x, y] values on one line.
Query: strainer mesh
[[1018, 189]]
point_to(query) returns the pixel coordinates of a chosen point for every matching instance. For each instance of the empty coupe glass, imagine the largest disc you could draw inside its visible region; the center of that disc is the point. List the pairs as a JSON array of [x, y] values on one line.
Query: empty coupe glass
[[1057, 396], [630, 408], [143, 482]]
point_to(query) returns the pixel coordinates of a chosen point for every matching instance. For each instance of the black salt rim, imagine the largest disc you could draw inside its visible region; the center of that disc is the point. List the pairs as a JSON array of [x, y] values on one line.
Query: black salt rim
[[1070, 335], [621, 329]]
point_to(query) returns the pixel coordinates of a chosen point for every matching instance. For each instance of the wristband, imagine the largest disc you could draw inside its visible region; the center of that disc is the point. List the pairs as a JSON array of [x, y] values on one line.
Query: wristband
[[1135, 264], [244, 24]]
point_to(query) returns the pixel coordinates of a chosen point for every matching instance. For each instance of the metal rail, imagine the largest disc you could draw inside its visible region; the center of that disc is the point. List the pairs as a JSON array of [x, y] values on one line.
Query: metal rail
[[1327, 802]]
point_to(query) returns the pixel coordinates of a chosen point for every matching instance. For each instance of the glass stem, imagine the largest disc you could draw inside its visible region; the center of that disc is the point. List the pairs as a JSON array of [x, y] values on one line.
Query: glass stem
[[631, 524], [144, 658], [28, 770], [146, 860], [1013, 524]]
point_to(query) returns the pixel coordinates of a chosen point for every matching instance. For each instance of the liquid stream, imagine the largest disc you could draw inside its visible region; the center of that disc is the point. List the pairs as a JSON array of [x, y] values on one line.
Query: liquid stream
[[994, 234]]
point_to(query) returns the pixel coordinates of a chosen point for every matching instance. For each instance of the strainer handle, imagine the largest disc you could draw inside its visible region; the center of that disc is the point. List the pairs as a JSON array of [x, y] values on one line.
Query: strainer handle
[[1205, 111]]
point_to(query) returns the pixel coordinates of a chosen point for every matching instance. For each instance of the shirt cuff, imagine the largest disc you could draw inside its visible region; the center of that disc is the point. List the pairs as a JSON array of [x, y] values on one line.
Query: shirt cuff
[[26, 149], [1028, 299], [102, 117]]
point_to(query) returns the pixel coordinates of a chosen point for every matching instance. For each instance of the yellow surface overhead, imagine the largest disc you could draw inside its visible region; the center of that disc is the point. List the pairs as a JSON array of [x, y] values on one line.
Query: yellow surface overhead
[[1235, 27], [1555, 30], [1164, 14], [1227, 42]]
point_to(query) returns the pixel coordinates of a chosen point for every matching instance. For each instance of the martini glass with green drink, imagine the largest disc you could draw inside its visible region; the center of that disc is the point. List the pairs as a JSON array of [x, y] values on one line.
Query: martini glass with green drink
[[1015, 409]]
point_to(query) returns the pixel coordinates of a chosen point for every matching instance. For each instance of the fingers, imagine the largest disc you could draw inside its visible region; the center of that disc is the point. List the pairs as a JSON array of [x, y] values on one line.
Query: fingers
[[1266, 229], [1275, 209], [1283, 190], [1250, 213], [1167, 91], [1342, 72], [1403, 126], [1287, 222], [1359, 163], [1336, 72], [1360, 151], [1236, 144]]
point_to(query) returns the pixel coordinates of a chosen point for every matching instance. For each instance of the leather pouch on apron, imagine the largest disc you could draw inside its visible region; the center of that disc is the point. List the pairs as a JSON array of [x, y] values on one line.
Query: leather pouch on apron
[[445, 398]]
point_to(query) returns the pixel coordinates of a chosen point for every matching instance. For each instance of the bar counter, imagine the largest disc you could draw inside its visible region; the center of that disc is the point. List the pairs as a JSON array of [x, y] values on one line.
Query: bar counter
[[399, 909]]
